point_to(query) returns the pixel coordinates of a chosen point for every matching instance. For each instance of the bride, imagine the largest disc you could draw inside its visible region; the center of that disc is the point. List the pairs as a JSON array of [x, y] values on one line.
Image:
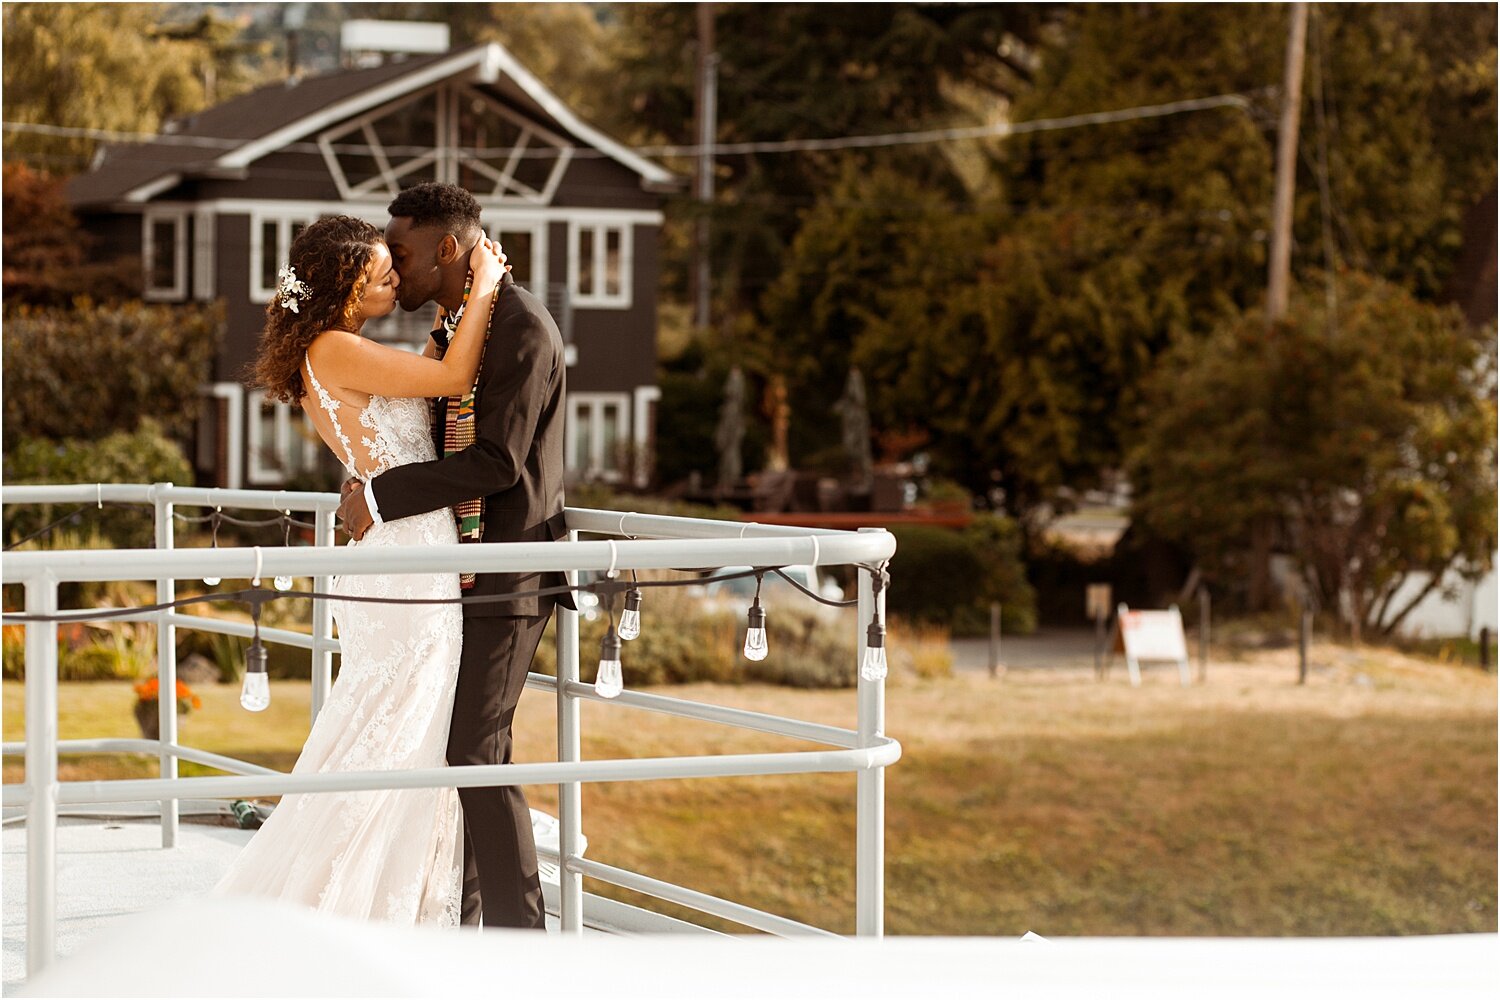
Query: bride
[[382, 855]]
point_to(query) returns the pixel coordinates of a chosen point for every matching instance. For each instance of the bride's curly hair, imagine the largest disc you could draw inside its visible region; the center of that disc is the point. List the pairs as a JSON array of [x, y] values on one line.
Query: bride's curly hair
[[329, 257]]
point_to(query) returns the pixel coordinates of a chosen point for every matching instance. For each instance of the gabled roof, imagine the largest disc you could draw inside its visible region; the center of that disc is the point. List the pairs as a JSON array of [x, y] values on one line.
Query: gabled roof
[[239, 132]]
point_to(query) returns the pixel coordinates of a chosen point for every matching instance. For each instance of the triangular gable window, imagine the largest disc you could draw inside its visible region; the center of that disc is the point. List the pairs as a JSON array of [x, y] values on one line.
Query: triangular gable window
[[455, 133]]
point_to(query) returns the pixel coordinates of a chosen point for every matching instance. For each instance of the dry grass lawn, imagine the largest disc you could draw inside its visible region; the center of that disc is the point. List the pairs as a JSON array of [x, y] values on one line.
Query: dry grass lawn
[[1362, 803]]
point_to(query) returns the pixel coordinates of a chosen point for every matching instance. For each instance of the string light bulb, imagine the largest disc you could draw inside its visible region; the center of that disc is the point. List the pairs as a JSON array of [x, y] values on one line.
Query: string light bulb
[[213, 520], [755, 634], [255, 690], [285, 582], [630, 618], [610, 680], [873, 666]]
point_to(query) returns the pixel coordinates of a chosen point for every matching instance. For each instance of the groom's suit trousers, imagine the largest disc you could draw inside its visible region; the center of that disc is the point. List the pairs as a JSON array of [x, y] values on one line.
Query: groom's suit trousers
[[499, 852]]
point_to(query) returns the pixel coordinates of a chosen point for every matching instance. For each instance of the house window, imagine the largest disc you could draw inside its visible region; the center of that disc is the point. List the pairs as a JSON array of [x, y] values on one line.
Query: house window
[[525, 244], [164, 253], [281, 441], [600, 258], [596, 436], [271, 238]]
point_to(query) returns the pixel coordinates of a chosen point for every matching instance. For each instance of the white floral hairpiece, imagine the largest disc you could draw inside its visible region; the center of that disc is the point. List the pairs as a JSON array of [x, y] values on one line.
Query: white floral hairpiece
[[290, 289]]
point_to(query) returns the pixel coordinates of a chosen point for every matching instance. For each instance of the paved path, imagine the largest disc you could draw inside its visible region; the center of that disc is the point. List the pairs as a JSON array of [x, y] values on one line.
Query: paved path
[[1046, 647]]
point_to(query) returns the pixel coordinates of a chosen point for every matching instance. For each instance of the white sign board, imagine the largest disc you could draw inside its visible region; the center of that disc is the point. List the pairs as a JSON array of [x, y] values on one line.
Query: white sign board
[[1153, 635]]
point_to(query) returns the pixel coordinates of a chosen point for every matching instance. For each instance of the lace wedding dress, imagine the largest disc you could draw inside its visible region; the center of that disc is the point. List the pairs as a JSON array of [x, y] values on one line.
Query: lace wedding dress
[[386, 855]]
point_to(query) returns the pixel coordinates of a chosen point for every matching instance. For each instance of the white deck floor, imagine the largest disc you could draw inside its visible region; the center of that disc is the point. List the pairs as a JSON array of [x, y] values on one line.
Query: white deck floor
[[110, 869], [132, 922]]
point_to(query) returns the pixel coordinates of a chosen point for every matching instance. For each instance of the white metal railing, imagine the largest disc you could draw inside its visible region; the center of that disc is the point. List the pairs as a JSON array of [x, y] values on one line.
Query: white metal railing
[[654, 542]]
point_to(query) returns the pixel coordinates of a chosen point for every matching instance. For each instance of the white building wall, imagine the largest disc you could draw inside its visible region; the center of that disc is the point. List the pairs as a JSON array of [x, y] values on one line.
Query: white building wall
[[1458, 608]]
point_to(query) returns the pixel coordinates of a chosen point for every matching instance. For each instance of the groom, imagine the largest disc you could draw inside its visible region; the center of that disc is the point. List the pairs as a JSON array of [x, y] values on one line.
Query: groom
[[515, 464]]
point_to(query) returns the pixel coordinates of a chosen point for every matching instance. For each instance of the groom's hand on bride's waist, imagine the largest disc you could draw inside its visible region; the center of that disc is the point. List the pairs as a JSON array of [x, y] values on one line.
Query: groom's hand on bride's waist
[[354, 513]]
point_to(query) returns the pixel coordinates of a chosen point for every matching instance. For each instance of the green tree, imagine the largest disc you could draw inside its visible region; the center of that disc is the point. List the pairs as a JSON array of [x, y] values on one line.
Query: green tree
[[1369, 442], [868, 280], [565, 45], [220, 53], [99, 66], [810, 71], [1114, 241]]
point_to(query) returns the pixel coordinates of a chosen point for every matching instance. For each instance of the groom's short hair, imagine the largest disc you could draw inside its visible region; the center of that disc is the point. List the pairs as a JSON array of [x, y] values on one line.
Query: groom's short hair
[[435, 204]]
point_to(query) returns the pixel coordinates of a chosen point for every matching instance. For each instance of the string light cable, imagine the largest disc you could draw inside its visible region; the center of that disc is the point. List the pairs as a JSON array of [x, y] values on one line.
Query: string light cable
[[605, 589], [255, 694]]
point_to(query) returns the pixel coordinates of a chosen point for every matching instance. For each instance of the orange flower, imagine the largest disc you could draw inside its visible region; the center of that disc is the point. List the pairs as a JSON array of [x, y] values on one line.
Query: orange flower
[[150, 690], [186, 693]]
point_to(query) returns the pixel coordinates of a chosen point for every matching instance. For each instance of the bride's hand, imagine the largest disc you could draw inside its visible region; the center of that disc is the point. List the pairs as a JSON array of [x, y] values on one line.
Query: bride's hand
[[488, 264]]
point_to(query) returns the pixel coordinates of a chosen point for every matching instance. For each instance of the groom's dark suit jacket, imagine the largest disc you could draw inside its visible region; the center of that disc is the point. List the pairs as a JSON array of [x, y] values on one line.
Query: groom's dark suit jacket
[[516, 460]]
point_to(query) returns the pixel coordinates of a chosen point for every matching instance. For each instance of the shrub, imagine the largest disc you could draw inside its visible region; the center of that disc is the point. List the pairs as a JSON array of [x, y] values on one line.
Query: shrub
[[93, 370], [13, 651], [680, 644], [143, 456], [682, 648], [944, 577], [105, 661], [49, 257]]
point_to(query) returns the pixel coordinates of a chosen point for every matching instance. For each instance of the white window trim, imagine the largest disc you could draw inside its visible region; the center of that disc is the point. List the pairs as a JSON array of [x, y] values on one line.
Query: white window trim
[[284, 220], [234, 394], [593, 404], [373, 210], [446, 156], [389, 176], [645, 395], [598, 299], [498, 222], [507, 188], [149, 218], [256, 471], [204, 234]]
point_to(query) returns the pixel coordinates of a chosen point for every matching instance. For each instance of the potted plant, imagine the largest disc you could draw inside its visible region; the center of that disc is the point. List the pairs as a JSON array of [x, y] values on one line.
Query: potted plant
[[147, 695]]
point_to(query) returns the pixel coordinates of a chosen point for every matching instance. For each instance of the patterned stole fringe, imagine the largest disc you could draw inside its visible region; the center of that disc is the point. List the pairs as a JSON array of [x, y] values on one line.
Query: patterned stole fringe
[[458, 433]]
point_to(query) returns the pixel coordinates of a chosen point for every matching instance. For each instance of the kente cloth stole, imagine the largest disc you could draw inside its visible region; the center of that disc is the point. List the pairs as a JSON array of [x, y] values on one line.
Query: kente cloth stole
[[458, 429]]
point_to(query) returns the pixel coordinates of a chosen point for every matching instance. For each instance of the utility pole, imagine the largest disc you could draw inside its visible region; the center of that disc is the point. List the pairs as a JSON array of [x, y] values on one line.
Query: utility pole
[[1278, 285], [708, 87], [1279, 282]]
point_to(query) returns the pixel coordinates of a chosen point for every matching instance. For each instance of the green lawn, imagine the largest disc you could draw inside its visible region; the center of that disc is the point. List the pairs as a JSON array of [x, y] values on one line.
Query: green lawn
[[1363, 803]]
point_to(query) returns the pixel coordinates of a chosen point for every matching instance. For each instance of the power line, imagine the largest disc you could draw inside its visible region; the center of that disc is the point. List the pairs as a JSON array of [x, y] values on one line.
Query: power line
[[996, 131], [1137, 142], [999, 130]]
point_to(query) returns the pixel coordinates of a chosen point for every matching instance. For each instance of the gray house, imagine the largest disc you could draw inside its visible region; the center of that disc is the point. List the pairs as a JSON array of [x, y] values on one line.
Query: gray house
[[211, 208]]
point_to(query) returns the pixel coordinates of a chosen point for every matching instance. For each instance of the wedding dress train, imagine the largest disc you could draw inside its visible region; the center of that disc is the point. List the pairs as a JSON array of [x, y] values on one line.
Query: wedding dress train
[[385, 855]]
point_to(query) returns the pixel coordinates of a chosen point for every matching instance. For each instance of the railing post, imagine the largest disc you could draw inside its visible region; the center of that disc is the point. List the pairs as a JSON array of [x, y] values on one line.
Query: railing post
[[322, 619], [166, 666], [569, 748], [869, 784], [41, 777]]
